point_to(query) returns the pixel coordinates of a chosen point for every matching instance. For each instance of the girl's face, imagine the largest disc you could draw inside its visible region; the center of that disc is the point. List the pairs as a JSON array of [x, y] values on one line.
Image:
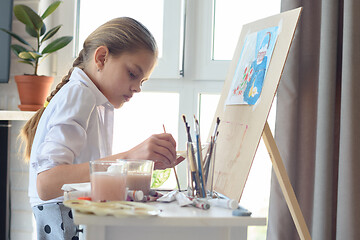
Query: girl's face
[[122, 76]]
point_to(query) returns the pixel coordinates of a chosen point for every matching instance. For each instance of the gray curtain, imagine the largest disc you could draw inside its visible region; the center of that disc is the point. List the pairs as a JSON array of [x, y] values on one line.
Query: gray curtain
[[318, 123]]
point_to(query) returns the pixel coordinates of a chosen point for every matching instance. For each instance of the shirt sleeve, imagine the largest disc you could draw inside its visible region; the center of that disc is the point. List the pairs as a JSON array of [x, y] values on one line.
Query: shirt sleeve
[[66, 128]]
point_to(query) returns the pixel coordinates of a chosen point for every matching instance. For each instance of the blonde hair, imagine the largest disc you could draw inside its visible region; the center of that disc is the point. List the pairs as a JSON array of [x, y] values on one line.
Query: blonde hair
[[119, 35]]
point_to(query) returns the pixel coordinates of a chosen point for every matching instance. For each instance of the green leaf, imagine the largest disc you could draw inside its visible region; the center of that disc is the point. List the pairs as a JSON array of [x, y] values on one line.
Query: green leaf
[[18, 49], [31, 31], [159, 177], [17, 37], [50, 9], [25, 55], [35, 55], [43, 30], [50, 33], [57, 44], [34, 33], [27, 16], [29, 55]]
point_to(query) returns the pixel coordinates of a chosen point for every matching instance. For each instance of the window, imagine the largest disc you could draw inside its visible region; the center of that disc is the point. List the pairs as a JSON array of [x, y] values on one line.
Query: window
[[152, 20], [207, 108], [145, 119], [230, 15]]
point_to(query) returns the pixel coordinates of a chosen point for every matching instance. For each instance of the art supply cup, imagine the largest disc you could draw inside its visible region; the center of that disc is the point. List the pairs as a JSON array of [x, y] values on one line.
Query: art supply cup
[[108, 180], [195, 170], [139, 175]]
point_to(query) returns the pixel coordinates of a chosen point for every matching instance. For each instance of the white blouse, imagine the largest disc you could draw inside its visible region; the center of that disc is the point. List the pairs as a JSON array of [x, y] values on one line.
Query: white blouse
[[76, 127]]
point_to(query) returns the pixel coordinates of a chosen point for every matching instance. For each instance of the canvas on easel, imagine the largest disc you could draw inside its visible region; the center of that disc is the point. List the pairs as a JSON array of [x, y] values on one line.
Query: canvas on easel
[[245, 103]]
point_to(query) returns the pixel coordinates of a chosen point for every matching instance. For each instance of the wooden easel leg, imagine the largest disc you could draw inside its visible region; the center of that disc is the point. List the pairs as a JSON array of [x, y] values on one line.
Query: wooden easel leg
[[285, 184]]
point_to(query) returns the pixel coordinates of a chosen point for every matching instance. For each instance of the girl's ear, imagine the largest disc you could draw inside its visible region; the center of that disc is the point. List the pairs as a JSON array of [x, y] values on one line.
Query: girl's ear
[[101, 54]]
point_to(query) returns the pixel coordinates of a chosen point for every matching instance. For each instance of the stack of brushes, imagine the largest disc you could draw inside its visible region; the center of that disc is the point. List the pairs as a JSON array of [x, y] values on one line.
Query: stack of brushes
[[199, 166]]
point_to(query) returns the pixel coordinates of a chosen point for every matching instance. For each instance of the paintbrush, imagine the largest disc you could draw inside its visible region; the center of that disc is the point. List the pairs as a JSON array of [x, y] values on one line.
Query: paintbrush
[[207, 159], [200, 159], [177, 179], [210, 149], [195, 179]]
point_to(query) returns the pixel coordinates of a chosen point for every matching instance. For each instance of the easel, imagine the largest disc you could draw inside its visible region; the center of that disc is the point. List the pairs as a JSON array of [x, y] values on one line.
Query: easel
[[242, 125], [285, 184]]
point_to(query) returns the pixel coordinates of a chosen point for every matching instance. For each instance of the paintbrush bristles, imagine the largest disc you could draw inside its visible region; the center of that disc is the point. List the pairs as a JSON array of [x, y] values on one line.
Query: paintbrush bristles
[[197, 128], [216, 126], [164, 128], [187, 127], [184, 118], [196, 121]]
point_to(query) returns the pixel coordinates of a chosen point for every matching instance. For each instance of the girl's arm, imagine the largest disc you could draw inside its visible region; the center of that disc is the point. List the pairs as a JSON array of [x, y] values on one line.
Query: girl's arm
[[50, 182], [161, 148]]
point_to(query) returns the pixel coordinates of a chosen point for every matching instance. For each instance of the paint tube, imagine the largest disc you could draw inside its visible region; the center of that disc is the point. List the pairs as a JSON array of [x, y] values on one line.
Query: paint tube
[[168, 197], [133, 195], [182, 199], [154, 193], [224, 203], [240, 211], [148, 198], [201, 204]]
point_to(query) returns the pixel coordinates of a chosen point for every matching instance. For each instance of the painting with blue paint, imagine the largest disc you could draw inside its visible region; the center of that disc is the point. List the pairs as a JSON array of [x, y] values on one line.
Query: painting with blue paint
[[252, 66]]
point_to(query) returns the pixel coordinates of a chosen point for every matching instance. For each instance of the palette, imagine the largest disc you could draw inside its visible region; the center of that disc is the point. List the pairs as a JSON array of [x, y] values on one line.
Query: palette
[[112, 208]]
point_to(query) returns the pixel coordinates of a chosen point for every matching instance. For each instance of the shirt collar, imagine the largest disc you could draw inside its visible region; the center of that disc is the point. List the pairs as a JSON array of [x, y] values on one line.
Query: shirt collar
[[80, 75]]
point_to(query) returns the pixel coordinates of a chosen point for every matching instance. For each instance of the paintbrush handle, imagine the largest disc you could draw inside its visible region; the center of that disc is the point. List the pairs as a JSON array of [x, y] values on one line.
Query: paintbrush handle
[[193, 169], [177, 179], [200, 167]]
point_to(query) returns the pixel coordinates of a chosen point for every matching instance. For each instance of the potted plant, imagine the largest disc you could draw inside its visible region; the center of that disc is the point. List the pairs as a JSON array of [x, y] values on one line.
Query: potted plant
[[33, 89]]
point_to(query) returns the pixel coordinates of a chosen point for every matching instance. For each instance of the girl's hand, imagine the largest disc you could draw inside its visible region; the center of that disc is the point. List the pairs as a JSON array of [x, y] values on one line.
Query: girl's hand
[[161, 148]]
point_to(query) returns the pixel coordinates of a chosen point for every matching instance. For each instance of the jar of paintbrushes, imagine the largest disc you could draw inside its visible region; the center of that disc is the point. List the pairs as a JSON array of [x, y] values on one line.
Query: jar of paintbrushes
[[200, 162]]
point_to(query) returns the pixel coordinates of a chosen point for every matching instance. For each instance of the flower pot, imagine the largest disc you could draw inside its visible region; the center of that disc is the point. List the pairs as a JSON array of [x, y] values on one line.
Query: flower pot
[[33, 91]]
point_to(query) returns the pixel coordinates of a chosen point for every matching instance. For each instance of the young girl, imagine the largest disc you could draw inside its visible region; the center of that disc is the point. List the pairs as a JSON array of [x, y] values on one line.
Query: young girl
[[75, 125]]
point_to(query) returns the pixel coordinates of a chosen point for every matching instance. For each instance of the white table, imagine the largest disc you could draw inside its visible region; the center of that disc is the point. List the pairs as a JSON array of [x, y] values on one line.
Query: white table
[[174, 222]]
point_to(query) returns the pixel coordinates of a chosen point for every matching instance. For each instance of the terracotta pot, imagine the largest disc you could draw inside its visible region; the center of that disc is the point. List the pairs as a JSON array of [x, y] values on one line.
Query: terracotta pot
[[33, 91]]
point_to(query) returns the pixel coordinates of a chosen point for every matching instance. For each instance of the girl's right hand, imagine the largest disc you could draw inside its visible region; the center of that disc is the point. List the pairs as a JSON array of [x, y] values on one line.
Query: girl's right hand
[[161, 148]]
